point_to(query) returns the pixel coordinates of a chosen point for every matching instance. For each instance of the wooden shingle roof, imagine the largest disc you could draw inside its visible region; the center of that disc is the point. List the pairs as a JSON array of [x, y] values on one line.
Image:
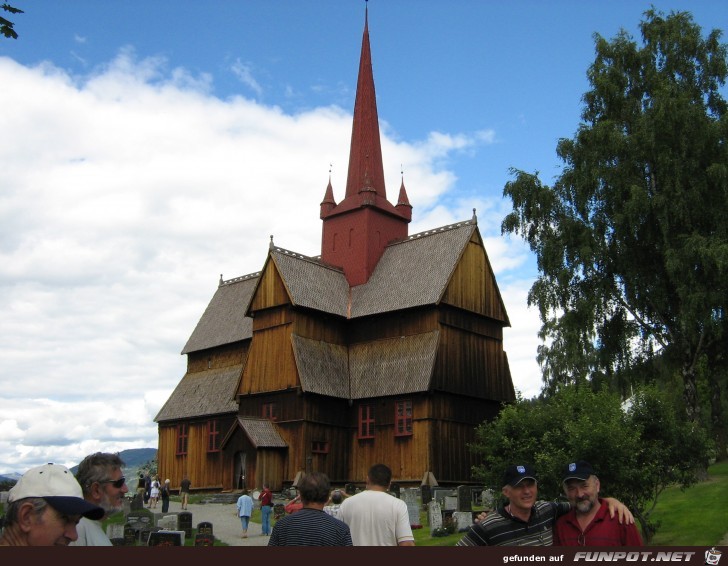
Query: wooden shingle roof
[[224, 320], [205, 393], [391, 366], [262, 433]]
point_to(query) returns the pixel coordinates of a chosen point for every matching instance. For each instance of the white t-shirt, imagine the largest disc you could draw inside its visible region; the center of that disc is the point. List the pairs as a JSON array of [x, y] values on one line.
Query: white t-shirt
[[376, 518], [90, 533]]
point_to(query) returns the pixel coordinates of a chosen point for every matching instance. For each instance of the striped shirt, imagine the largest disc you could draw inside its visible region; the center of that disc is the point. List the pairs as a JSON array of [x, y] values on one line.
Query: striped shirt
[[501, 529], [310, 527]]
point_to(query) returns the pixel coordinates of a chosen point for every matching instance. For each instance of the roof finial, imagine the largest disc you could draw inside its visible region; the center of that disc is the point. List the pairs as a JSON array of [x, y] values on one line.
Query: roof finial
[[220, 280], [271, 245], [475, 218]]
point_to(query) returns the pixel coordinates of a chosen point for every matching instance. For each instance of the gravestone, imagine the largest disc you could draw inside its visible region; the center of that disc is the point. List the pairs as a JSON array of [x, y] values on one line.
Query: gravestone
[[140, 521], [463, 520], [137, 502], [166, 538], [434, 516], [413, 507], [426, 493], [146, 533], [465, 498], [184, 522], [167, 523], [130, 535], [450, 503], [396, 490], [439, 494], [115, 531], [204, 540], [204, 528]]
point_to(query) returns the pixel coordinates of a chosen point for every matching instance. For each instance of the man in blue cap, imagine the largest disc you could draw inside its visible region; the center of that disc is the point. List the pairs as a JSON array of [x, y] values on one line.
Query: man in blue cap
[[523, 520]]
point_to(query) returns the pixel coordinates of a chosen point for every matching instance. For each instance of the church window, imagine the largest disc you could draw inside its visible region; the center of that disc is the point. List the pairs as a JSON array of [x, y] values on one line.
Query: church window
[[269, 411], [320, 447], [213, 436], [182, 439], [366, 421], [403, 418]]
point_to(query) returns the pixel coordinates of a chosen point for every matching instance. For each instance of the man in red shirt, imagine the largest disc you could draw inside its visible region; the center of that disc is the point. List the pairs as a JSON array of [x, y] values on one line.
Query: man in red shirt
[[266, 505], [588, 523]]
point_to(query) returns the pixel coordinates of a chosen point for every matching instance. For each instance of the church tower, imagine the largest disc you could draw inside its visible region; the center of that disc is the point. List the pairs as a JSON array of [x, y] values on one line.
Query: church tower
[[357, 230]]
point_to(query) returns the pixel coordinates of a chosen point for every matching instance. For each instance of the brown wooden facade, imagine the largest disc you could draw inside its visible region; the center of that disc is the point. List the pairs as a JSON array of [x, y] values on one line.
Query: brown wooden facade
[[296, 369]]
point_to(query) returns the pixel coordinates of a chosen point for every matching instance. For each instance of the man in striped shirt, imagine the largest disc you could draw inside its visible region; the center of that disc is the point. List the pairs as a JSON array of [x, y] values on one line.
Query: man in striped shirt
[[524, 521], [311, 526]]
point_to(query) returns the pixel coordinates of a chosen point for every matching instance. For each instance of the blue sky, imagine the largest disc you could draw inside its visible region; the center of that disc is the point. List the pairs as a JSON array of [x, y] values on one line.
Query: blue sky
[[149, 147]]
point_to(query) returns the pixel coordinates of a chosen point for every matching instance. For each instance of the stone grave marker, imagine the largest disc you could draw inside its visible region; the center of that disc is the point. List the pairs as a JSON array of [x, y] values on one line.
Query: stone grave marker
[[204, 528], [166, 538], [413, 507], [396, 490], [450, 503], [465, 498], [167, 523], [463, 520], [434, 516], [426, 492], [115, 531], [184, 522], [130, 535], [140, 521]]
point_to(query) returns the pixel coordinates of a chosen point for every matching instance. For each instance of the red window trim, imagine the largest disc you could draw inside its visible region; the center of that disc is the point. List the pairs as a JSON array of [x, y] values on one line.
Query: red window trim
[[213, 435], [182, 438], [319, 447], [366, 421], [269, 411], [403, 418]]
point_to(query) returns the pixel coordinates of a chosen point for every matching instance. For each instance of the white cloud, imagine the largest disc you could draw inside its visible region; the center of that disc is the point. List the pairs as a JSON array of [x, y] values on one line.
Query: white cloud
[[244, 73], [125, 195]]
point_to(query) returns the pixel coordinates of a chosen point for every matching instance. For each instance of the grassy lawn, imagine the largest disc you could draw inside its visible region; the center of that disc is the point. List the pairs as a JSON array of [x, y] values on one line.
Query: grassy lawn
[[696, 516]]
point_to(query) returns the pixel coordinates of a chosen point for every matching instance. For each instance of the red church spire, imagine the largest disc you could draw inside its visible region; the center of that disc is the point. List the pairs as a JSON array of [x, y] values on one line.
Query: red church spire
[[359, 228]]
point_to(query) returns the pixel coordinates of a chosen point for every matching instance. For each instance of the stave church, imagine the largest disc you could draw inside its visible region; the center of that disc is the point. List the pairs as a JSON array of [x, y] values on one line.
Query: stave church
[[387, 347]]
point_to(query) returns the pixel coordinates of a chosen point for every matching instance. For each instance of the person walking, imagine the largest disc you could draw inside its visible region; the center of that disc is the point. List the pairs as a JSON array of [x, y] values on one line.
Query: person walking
[[245, 510], [375, 517], [184, 490], [266, 505], [164, 494], [310, 526], [103, 483]]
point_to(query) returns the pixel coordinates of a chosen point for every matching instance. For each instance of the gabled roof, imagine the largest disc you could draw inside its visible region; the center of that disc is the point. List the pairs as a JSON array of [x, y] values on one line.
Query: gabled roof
[[206, 393], [411, 273], [366, 369], [262, 433], [224, 320]]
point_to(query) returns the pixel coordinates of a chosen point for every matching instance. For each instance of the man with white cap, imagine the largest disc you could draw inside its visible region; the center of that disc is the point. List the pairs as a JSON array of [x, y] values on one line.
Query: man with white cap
[[588, 523], [523, 521], [44, 508], [103, 483]]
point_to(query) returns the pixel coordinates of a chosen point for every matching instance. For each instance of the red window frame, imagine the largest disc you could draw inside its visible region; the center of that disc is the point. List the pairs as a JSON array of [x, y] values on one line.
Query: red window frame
[[366, 420], [269, 411], [182, 437], [319, 447], [403, 418], [213, 436]]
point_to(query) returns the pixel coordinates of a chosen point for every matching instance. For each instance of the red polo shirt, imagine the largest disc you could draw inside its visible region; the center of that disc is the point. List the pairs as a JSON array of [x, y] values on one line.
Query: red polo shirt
[[602, 531]]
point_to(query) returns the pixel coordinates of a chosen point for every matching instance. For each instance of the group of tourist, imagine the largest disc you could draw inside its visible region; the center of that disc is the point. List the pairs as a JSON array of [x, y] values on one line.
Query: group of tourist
[[49, 506]]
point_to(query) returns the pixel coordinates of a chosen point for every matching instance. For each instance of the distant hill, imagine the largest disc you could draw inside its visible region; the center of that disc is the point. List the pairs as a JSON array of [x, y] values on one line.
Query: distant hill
[[134, 458]]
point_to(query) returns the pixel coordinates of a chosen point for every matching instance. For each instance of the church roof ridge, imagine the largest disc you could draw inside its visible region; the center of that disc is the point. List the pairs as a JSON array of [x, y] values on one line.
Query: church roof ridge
[[238, 279], [438, 230]]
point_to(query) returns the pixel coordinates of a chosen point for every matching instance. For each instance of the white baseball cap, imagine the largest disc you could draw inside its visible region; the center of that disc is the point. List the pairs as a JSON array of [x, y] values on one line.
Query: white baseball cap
[[57, 485]]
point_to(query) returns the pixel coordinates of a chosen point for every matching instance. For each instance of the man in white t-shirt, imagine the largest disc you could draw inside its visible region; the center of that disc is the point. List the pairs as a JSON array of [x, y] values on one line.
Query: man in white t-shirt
[[375, 517]]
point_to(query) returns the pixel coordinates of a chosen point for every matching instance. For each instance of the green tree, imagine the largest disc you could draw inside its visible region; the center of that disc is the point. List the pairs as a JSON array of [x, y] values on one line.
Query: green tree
[[631, 240], [6, 26], [638, 448]]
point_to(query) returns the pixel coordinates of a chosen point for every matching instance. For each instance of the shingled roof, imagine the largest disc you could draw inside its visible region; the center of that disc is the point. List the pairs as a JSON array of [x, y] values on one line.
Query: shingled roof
[[365, 369], [209, 392], [262, 433], [224, 320]]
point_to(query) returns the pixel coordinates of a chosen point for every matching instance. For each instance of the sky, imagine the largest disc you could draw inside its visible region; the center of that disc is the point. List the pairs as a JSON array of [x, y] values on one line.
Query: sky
[[150, 146]]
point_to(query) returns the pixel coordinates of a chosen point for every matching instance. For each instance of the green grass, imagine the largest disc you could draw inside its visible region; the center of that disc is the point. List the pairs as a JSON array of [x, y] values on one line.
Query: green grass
[[696, 516]]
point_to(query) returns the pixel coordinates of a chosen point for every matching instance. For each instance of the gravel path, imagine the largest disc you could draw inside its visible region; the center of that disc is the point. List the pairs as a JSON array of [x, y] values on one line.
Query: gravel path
[[225, 523]]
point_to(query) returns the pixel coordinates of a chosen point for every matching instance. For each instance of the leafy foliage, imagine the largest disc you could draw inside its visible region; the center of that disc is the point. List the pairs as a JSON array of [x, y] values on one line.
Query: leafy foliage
[[632, 240], [638, 449], [6, 26]]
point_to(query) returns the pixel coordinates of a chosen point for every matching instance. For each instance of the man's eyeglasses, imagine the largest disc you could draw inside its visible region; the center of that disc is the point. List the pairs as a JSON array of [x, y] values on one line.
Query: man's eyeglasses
[[116, 483]]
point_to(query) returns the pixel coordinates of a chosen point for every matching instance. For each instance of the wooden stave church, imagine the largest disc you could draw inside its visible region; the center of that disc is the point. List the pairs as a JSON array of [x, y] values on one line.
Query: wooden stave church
[[291, 369]]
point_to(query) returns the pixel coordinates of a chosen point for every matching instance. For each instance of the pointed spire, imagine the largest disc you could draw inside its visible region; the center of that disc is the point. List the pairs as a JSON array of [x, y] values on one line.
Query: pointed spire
[[271, 245], [403, 204], [365, 154], [328, 204]]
